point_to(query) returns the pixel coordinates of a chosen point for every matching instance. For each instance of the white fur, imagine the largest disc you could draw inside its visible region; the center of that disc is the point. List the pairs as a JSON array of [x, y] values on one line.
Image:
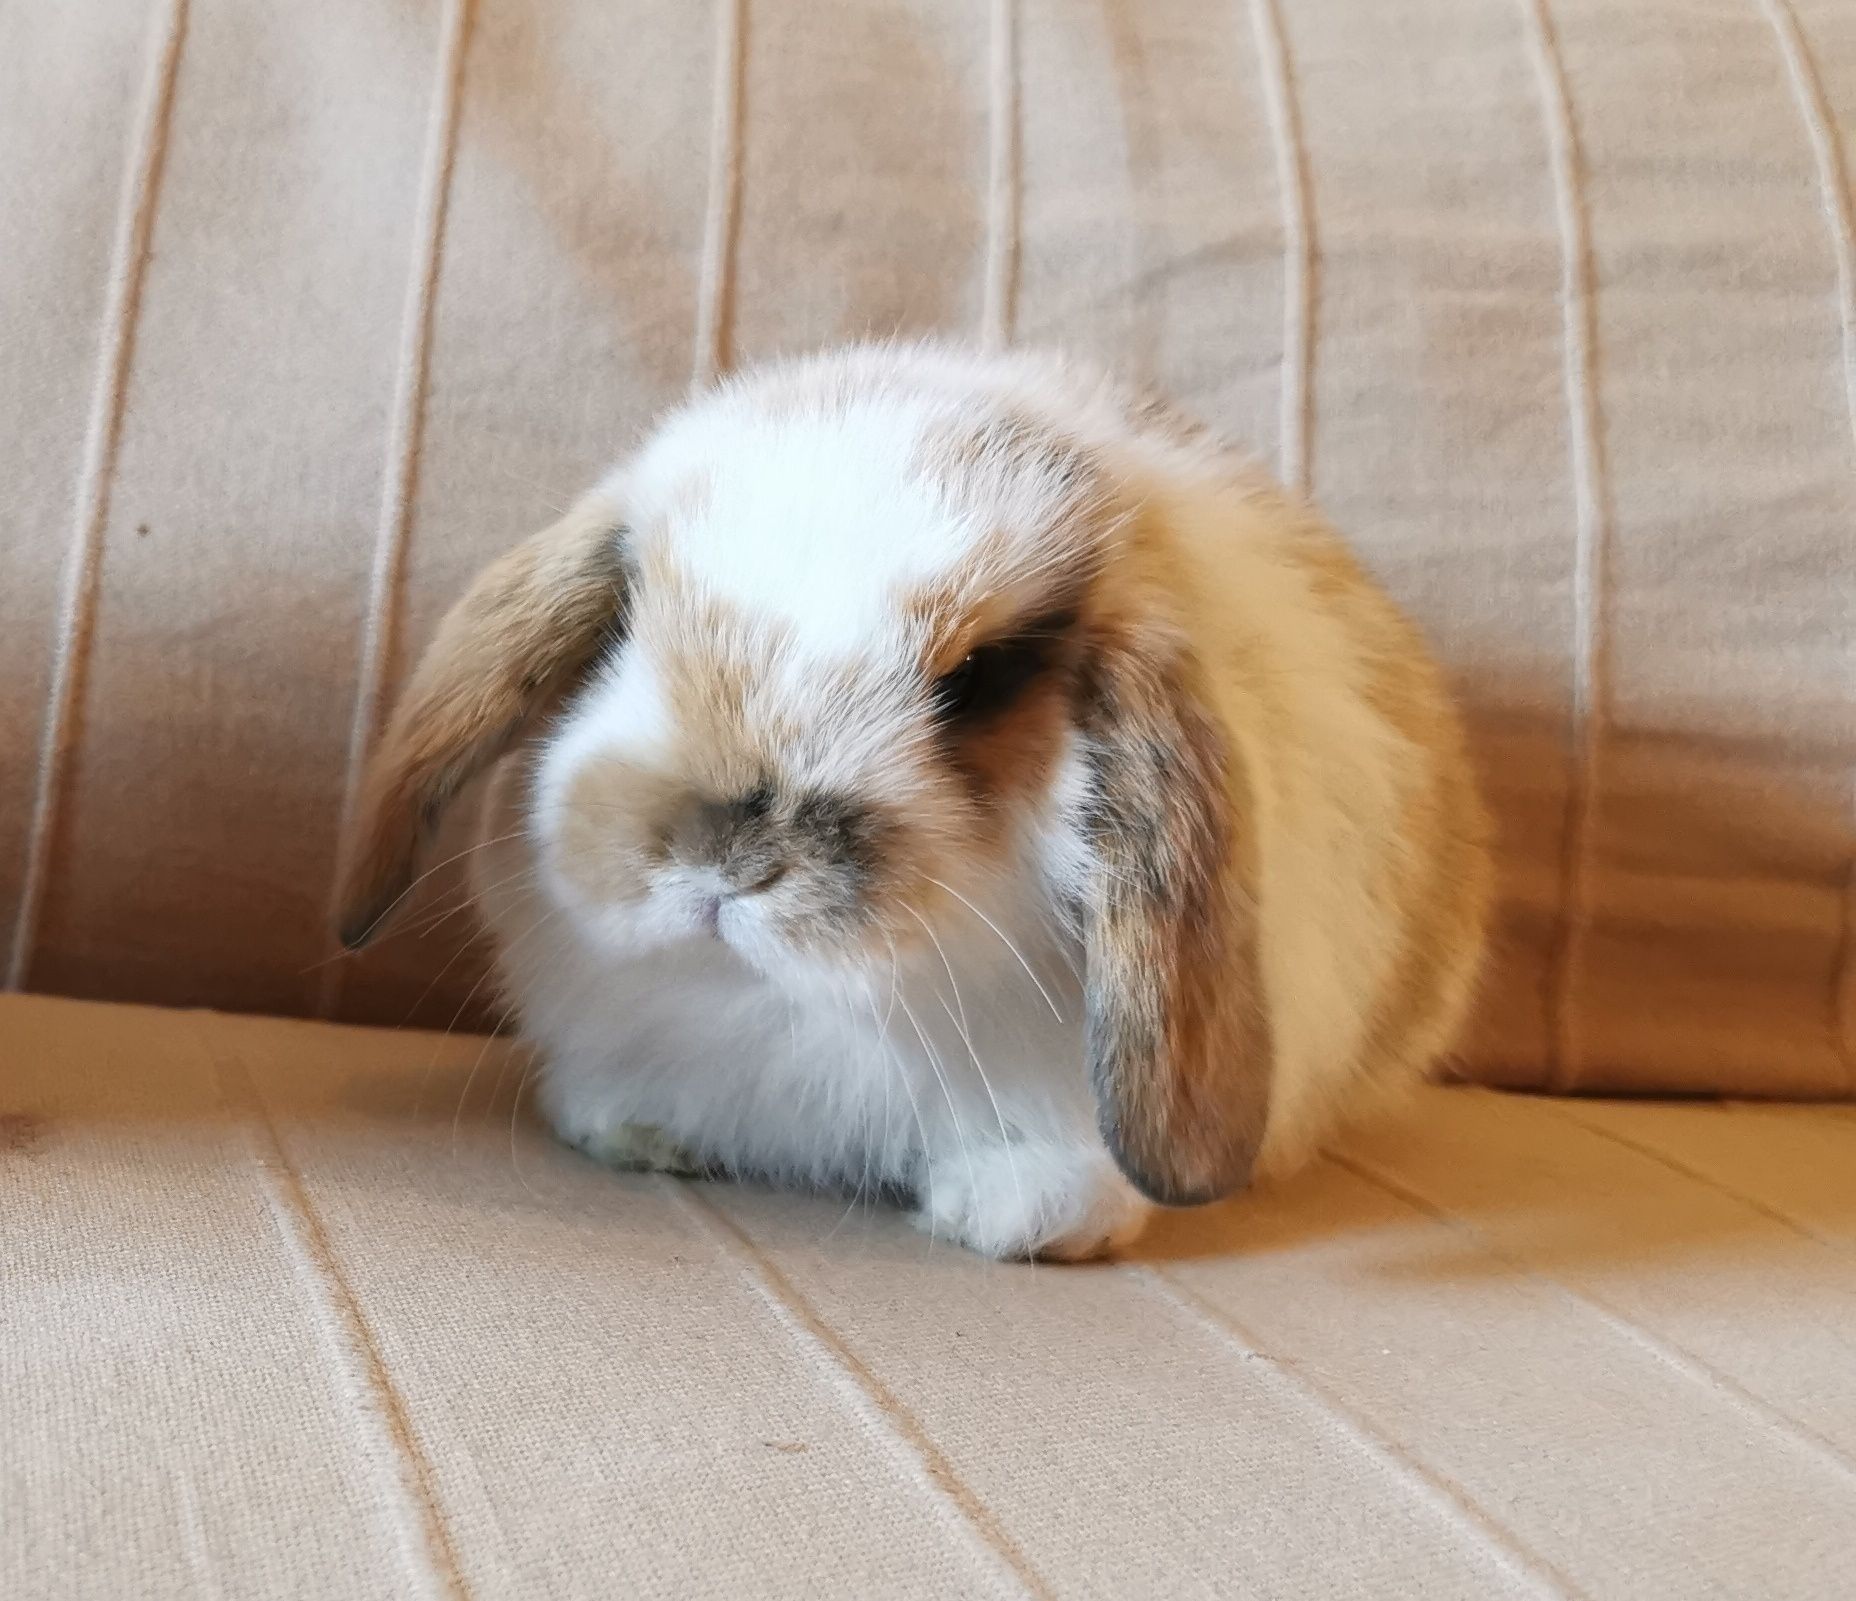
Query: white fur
[[813, 520], [957, 1072]]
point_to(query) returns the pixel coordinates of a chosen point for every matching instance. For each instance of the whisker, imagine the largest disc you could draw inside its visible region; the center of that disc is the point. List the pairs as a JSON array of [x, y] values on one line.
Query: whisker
[[899, 1072], [1065, 937], [525, 1071], [431, 1066], [973, 1055], [470, 1078], [433, 983], [394, 904], [863, 1177], [547, 495], [947, 1094], [471, 895], [1006, 941], [886, 1134], [947, 966]]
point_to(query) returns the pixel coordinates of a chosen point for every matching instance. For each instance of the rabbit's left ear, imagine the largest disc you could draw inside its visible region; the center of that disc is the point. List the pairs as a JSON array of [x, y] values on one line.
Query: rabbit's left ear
[[527, 626], [1178, 1030]]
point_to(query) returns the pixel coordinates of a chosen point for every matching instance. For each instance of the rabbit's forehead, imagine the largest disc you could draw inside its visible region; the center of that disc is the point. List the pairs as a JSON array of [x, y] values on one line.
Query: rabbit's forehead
[[842, 533]]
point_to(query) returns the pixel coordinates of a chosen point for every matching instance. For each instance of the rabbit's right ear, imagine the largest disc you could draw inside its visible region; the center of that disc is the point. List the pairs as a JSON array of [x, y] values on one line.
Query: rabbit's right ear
[[529, 624]]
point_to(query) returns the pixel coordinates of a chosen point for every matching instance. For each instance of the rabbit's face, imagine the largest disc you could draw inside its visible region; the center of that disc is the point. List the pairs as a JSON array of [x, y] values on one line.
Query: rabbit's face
[[842, 702]]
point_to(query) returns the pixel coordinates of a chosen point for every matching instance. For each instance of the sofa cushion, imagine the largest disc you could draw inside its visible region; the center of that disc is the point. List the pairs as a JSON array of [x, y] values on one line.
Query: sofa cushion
[[289, 1309]]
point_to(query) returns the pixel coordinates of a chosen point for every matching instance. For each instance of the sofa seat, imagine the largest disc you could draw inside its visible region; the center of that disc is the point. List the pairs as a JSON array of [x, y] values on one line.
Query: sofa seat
[[289, 1309]]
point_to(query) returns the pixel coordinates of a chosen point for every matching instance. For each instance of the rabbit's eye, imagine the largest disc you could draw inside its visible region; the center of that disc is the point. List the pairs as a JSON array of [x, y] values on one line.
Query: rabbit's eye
[[953, 692], [991, 678]]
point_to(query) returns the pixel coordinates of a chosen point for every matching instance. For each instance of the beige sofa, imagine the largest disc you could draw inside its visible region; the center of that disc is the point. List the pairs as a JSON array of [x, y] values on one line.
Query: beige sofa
[[304, 311]]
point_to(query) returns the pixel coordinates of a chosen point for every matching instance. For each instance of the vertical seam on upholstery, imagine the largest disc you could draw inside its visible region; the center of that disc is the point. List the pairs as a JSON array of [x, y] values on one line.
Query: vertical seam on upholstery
[[1696, 1175], [999, 309], [1695, 1370], [195, 1550], [1592, 538], [879, 1407], [1833, 180], [1299, 263], [715, 292], [405, 440], [1433, 1486], [83, 568], [425, 1539]]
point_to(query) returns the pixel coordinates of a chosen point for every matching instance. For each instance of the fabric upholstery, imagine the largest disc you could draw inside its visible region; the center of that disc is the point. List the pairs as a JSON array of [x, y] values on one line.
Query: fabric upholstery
[[305, 311], [288, 1310]]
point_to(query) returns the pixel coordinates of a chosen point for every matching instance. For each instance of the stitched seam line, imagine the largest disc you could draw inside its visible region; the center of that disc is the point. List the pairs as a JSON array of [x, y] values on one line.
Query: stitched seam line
[[405, 439], [77, 605], [1592, 538]]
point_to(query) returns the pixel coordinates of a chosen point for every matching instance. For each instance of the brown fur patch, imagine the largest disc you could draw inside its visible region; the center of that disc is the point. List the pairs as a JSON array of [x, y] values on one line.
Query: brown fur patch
[[1444, 878], [1153, 413], [521, 634], [1039, 560], [1441, 877], [1013, 756], [713, 660], [996, 457], [610, 828]]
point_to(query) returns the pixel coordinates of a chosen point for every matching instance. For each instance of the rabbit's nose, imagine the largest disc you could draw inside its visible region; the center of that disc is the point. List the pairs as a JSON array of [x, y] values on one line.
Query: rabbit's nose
[[703, 828], [736, 837]]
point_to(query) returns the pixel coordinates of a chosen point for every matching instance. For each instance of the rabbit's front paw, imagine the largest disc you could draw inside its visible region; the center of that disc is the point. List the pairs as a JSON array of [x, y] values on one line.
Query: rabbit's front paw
[[631, 1148], [1019, 1200]]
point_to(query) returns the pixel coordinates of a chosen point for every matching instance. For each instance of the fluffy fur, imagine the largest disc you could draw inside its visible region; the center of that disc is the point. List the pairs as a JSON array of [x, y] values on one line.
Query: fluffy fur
[[950, 775]]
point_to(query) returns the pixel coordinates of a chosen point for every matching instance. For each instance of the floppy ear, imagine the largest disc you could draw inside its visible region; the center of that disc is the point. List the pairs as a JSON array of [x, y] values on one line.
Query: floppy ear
[[1178, 1030], [527, 626]]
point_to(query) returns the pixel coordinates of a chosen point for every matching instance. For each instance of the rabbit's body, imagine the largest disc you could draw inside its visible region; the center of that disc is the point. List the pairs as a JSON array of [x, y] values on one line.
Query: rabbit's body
[[1194, 875]]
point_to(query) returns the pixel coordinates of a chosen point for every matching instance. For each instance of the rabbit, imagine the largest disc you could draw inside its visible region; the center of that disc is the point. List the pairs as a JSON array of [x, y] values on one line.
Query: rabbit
[[949, 774]]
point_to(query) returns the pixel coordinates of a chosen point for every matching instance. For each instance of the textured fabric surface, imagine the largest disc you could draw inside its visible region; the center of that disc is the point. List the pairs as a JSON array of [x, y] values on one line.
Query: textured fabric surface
[[291, 1310], [305, 311]]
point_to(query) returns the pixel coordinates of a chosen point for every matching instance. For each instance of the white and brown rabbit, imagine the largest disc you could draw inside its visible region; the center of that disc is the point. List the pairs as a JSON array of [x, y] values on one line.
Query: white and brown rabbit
[[949, 774]]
